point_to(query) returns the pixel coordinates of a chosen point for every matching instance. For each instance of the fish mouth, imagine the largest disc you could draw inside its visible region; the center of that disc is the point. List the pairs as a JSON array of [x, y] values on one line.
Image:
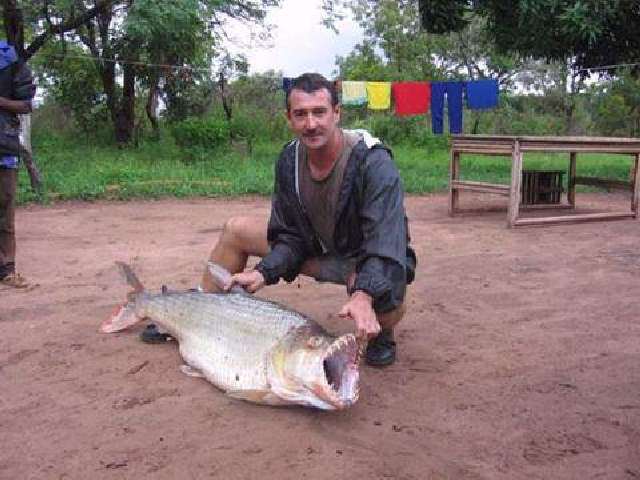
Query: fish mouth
[[341, 372]]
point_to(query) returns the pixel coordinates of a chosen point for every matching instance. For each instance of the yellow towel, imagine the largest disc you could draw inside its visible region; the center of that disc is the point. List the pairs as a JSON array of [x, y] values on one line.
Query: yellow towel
[[379, 95]]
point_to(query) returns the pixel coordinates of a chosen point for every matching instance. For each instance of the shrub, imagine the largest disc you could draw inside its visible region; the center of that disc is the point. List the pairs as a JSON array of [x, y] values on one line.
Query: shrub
[[207, 133]]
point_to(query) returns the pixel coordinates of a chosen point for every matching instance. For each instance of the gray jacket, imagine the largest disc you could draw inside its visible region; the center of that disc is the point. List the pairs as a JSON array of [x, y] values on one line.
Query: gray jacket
[[371, 225]]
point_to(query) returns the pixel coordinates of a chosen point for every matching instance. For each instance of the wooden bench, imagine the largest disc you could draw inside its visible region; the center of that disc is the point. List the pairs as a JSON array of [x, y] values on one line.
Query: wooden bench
[[516, 146]]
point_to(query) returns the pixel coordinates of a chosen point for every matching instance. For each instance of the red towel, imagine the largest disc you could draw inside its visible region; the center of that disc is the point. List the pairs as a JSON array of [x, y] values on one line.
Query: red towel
[[411, 98]]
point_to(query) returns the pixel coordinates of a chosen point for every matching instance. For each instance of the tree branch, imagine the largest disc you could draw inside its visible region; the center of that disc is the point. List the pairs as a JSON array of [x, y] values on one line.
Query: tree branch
[[66, 26]]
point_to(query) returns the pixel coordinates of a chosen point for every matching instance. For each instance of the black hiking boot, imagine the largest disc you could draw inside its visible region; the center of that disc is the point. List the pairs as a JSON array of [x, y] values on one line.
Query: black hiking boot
[[381, 350], [152, 335]]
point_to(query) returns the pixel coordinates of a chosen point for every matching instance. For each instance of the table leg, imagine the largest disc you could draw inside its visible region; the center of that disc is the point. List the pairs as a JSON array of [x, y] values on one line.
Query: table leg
[[635, 183], [454, 172], [515, 192], [571, 181]]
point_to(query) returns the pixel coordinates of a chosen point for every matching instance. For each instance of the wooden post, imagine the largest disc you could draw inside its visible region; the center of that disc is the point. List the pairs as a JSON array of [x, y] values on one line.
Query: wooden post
[[26, 153], [635, 182], [571, 183], [516, 184], [454, 172]]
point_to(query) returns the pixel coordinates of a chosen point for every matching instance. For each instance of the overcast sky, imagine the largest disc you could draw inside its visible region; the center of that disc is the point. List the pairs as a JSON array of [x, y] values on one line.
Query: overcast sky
[[300, 43]]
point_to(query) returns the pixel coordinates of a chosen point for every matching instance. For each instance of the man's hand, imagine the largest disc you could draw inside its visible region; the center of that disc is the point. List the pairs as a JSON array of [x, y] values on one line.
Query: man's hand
[[251, 281], [360, 309]]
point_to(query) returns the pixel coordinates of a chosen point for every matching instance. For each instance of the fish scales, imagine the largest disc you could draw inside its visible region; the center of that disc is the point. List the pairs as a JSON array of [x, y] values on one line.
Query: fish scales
[[251, 348], [232, 331]]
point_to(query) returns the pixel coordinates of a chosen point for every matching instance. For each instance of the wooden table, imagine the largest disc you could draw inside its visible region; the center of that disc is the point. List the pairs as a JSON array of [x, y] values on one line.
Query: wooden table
[[515, 147]]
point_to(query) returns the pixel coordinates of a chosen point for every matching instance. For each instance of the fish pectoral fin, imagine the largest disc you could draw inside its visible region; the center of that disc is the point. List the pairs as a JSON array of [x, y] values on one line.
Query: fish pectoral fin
[[192, 372], [255, 396]]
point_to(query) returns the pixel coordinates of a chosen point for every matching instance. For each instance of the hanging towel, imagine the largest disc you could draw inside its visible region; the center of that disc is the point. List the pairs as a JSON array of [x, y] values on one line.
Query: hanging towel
[[286, 83], [354, 93], [453, 91], [379, 95], [411, 98], [482, 94]]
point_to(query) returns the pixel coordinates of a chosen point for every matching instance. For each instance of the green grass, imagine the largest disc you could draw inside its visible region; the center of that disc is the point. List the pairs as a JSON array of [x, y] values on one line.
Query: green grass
[[78, 170]]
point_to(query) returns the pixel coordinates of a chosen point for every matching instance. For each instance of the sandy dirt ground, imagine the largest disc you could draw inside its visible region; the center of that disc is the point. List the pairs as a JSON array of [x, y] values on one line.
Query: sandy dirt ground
[[519, 357]]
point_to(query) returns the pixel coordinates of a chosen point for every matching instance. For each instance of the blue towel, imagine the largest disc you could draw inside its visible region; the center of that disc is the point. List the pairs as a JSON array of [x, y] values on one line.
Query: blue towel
[[7, 54], [453, 90], [482, 94]]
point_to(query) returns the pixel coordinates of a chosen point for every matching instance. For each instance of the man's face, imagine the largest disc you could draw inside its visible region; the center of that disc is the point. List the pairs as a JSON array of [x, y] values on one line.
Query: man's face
[[312, 117]]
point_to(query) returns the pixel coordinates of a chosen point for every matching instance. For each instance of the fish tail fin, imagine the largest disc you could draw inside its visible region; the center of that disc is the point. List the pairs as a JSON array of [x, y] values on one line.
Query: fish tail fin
[[122, 317], [131, 277]]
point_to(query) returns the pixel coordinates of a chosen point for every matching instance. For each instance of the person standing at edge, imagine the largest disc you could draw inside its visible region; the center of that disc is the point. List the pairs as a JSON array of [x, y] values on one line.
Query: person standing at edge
[[337, 215], [16, 92]]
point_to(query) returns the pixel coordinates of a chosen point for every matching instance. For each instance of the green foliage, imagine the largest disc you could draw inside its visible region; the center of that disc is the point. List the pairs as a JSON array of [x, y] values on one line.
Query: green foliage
[[363, 63], [617, 107], [394, 130], [208, 133], [187, 97], [393, 27], [590, 32], [73, 84], [74, 168], [443, 16]]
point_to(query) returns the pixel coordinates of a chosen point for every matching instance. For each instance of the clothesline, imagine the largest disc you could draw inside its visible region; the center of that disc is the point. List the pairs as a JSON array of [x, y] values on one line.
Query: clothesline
[[609, 67], [207, 69], [416, 98]]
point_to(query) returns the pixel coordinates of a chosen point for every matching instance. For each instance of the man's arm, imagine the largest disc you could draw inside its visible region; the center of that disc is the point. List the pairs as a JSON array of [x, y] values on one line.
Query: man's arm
[[288, 247], [381, 273], [15, 106]]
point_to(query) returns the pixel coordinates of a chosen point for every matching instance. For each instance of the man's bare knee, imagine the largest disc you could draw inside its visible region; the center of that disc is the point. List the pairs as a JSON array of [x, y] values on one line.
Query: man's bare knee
[[234, 229], [246, 234]]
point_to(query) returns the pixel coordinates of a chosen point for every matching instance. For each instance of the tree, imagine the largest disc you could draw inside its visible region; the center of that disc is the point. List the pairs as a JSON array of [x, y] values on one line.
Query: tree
[[592, 33], [408, 52], [133, 41], [392, 27], [617, 106]]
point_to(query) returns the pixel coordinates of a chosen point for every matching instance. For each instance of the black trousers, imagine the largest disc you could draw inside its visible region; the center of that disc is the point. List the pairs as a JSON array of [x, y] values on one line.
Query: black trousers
[[8, 181]]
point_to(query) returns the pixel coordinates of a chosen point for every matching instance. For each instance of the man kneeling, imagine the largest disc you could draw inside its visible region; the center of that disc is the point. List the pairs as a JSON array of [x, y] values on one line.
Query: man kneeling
[[337, 215]]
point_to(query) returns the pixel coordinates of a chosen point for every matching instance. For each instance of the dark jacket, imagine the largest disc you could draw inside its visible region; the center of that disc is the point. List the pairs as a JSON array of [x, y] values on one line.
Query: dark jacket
[[16, 83], [371, 226]]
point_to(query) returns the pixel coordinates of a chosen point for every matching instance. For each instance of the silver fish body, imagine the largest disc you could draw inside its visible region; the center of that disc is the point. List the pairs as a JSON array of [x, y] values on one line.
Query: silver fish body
[[252, 348]]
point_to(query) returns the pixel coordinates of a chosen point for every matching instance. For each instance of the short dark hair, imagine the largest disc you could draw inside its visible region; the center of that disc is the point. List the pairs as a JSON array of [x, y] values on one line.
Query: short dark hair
[[312, 82]]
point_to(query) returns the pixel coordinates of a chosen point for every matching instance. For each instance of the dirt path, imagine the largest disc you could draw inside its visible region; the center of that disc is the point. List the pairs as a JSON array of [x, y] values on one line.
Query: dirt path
[[519, 357]]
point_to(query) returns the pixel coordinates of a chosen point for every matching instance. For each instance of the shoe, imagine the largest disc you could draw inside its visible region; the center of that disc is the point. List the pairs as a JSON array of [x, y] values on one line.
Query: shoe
[[381, 350], [14, 280], [152, 335]]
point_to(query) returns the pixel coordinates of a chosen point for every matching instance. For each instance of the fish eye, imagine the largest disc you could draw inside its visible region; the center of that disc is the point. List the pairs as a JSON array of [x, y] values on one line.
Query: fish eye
[[314, 342]]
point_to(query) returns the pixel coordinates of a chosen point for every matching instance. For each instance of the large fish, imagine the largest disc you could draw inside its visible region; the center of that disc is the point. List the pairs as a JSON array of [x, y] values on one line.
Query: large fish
[[251, 348]]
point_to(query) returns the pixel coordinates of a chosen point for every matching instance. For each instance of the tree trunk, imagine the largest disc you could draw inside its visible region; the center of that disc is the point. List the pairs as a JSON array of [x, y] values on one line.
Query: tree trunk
[[26, 153], [152, 103], [224, 95], [125, 113]]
